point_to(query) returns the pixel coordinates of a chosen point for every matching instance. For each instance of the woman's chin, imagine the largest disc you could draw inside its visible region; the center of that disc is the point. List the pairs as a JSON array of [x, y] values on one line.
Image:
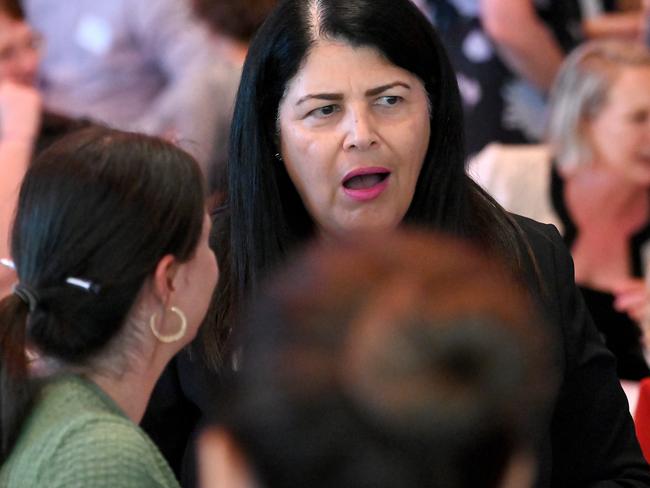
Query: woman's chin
[[360, 227]]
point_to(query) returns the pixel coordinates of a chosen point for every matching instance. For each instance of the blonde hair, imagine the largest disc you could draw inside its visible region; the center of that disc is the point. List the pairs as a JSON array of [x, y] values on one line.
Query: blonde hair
[[580, 91]]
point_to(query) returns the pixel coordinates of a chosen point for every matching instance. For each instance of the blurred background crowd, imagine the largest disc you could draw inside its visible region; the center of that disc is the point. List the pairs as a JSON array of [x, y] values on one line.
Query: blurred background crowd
[[556, 106]]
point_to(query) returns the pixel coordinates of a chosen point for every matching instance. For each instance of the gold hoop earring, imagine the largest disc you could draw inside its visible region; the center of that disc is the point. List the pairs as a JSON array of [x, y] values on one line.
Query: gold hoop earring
[[167, 339]]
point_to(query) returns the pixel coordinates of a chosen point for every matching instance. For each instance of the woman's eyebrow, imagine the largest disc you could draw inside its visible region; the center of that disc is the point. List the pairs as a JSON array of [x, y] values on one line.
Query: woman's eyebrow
[[321, 96], [339, 96], [376, 91]]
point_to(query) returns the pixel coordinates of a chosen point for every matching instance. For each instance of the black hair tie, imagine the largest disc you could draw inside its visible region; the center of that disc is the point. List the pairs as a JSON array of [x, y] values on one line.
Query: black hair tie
[[27, 295]]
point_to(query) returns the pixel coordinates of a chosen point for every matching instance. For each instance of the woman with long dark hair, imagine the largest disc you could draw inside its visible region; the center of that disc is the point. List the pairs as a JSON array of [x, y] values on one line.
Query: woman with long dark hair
[[110, 245], [348, 120]]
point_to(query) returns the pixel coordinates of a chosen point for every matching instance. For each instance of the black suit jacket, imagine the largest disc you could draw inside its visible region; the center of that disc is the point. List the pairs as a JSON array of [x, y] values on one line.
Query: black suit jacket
[[590, 439]]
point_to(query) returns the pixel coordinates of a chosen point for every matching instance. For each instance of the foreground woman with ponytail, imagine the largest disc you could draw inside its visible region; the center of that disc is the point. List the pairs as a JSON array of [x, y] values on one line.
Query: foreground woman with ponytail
[[110, 245]]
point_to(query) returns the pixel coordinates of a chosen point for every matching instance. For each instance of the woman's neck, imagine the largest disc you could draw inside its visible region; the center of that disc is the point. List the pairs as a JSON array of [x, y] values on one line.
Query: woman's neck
[[131, 390], [597, 198]]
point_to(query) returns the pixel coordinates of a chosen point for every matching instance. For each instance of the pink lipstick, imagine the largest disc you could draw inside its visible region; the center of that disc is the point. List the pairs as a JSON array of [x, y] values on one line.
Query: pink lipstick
[[365, 184]]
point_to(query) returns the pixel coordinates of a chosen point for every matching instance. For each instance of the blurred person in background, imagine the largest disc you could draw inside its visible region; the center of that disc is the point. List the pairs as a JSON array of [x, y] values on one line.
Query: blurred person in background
[[592, 181], [25, 129], [232, 24], [507, 53], [131, 64], [417, 363], [19, 45], [626, 22]]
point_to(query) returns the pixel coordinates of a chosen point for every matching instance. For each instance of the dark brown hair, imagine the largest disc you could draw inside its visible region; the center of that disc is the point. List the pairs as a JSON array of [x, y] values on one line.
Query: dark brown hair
[[238, 19], [13, 9], [390, 361], [102, 206]]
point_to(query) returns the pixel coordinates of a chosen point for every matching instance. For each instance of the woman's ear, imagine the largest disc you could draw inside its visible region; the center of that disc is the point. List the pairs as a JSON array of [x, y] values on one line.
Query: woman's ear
[[222, 463], [163, 279]]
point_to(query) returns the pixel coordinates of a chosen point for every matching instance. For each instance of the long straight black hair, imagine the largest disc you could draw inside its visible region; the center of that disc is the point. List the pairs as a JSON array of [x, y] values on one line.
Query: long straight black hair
[[102, 206], [264, 217]]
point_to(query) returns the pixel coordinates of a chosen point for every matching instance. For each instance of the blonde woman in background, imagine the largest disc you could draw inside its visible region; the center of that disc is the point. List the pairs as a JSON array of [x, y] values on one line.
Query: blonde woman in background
[[591, 181]]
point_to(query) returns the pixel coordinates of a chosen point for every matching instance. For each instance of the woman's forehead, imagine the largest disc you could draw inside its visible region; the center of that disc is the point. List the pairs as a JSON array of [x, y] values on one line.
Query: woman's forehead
[[337, 64]]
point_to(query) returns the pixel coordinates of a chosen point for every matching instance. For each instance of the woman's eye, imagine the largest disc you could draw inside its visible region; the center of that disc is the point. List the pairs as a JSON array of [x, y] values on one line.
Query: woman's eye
[[389, 100], [326, 111]]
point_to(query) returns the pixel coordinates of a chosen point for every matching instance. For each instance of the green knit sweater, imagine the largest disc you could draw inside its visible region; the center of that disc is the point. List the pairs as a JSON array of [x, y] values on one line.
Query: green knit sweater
[[76, 436]]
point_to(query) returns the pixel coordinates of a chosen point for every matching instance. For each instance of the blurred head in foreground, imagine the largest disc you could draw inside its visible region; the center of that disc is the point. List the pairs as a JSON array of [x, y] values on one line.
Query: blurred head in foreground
[[415, 363]]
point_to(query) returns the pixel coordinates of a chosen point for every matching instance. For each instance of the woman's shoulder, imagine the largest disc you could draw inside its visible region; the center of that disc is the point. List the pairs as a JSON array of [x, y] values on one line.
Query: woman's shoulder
[[543, 237], [544, 246], [548, 269], [549, 266], [105, 449], [591, 431], [85, 445]]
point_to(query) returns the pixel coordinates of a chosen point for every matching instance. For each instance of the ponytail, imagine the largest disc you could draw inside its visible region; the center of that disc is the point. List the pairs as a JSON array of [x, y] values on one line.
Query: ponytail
[[16, 388], [79, 280]]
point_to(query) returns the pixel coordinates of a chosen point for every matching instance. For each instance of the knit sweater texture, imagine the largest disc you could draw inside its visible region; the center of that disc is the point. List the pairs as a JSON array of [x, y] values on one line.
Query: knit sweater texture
[[76, 436]]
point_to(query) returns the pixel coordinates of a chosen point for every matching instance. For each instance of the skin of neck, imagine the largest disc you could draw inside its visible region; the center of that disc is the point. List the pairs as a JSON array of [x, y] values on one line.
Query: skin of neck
[[130, 392], [595, 194], [131, 388]]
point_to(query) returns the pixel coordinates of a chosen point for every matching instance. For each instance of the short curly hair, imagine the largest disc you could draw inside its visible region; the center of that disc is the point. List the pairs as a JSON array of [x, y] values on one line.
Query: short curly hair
[[238, 19]]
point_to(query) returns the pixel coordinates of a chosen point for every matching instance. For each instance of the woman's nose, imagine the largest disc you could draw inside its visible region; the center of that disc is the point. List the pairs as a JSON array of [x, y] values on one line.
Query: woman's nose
[[361, 131]]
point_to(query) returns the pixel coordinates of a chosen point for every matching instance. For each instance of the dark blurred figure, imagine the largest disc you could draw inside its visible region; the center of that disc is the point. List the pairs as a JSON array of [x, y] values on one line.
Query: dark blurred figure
[[416, 363]]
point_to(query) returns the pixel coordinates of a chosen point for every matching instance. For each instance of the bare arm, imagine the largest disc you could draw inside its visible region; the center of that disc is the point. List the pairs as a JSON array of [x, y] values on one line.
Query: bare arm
[[20, 111], [526, 45], [622, 25]]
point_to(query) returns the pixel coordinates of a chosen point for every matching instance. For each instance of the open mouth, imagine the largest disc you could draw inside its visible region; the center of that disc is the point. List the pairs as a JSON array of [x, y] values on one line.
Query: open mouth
[[362, 182], [365, 184], [365, 178]]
